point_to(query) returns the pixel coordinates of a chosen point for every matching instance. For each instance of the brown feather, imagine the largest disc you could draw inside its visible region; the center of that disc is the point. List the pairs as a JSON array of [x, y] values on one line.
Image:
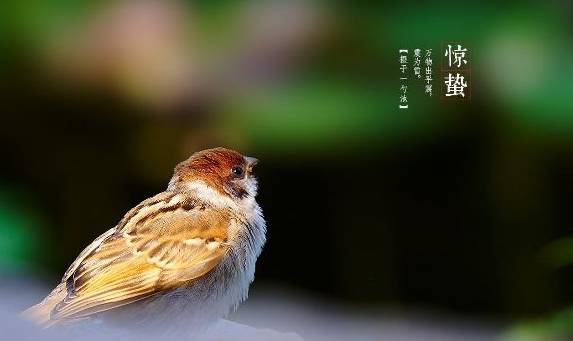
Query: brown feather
[[161, 244]]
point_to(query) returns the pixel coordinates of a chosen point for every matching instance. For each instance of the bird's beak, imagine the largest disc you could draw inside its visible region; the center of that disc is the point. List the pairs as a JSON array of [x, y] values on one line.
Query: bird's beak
[[251, 163]]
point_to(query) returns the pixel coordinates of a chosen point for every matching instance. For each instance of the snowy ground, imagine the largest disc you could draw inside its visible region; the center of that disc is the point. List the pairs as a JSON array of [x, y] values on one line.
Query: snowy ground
[[318, 320], [270, 314]]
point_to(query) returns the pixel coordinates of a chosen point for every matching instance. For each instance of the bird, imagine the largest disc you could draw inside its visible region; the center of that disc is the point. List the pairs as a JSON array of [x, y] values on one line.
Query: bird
[[184, 257]]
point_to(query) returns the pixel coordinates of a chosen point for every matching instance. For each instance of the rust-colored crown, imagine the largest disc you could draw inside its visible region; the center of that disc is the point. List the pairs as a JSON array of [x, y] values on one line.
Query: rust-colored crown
[[213, 166]]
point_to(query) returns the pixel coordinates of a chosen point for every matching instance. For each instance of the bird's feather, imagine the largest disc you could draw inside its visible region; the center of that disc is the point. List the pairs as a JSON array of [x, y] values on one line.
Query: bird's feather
[[165, 242]]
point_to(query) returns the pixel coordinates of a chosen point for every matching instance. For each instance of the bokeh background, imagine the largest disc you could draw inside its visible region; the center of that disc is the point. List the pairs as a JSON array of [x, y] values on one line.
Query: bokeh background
[[454, 209]]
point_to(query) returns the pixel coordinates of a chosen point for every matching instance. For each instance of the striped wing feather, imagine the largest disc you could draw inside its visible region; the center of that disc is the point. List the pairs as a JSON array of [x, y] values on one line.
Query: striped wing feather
[[165, 242]]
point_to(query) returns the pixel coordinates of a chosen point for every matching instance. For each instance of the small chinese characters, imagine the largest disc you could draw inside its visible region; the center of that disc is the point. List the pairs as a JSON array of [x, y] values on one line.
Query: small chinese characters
[[422, 66], [428, 87], [417, 63], [454, 75], [403, 101], [456, 72]]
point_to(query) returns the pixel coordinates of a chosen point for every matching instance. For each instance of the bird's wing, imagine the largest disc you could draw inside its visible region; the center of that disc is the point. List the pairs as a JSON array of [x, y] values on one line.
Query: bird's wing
[[161, 244]]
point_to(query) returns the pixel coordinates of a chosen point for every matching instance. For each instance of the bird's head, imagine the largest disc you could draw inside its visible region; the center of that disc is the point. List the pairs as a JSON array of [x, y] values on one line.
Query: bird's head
[[226, 171]]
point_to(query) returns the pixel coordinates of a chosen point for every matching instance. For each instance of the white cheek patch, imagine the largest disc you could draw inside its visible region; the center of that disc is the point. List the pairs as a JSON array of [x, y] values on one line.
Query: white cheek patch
[[209, 194]]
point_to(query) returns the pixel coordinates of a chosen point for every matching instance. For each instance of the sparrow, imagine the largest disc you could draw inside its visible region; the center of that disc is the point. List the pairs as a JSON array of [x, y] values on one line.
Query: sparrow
[[184, 256]]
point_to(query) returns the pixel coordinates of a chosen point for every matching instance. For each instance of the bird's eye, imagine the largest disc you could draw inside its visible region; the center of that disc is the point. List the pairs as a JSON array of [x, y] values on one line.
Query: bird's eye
[[237, 170]]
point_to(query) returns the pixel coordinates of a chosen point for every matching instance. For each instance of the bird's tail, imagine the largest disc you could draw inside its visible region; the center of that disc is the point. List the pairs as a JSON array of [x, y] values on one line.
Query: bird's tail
[[40, 313]]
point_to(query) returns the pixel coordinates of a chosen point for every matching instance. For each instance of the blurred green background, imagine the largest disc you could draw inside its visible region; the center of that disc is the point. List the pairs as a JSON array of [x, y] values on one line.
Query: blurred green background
[[461, 207]]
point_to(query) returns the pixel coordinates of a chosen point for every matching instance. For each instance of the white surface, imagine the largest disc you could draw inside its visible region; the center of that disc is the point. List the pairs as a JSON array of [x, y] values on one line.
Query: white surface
[[274, 314]]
